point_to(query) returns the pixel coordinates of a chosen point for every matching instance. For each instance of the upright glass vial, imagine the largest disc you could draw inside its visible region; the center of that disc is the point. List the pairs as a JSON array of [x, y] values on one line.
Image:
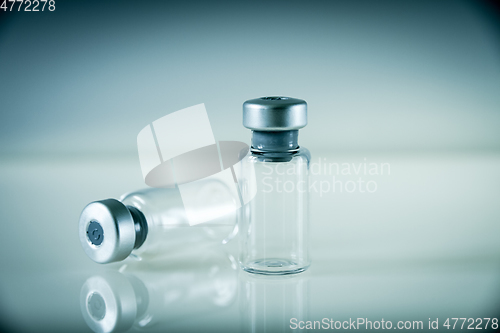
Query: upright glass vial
[[274, 226]]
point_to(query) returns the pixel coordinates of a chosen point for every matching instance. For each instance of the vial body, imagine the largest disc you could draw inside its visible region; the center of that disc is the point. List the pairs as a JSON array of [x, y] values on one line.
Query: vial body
[[168, 226], [274, 225]]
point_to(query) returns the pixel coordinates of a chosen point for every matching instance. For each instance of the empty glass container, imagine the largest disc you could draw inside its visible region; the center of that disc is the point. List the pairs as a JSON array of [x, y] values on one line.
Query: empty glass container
[[274, 226]]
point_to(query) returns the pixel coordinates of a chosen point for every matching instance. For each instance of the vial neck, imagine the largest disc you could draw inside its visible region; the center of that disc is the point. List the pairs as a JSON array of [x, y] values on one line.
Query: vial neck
[[140, 225], [275, 141]]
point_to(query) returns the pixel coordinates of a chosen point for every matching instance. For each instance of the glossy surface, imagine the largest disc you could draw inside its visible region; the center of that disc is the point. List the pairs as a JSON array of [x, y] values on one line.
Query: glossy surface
[[424, 245]]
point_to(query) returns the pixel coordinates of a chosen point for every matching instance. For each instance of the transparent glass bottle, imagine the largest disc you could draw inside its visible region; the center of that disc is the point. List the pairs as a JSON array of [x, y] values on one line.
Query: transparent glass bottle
[[150, 223], [274, 227]]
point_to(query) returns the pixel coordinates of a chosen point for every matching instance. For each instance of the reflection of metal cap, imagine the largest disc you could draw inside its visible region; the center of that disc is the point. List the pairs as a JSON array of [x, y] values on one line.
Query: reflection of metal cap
[[108, 303], [274, 114], [107, 230]]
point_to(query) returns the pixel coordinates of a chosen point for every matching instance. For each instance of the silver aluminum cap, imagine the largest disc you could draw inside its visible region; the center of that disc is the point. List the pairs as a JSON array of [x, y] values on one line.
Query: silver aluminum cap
[[275, 113], [107, 231]]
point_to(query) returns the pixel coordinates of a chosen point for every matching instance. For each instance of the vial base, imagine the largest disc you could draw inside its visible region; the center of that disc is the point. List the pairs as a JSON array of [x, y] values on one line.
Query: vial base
[[273, 266]]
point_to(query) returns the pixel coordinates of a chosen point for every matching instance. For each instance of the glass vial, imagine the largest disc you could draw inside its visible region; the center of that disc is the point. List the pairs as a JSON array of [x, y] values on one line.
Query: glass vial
[[274, 226], [149, 223]]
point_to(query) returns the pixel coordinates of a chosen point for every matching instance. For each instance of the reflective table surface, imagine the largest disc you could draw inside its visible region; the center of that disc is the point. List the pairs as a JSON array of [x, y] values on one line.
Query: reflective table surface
[[423, 247]]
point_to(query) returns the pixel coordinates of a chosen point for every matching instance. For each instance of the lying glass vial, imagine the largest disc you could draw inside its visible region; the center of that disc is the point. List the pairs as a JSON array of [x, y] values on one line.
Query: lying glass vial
[[151, 222]]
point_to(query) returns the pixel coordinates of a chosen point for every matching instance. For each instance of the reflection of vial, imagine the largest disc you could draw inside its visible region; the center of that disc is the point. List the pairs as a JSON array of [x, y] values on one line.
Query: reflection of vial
[[274, 225], [269, 304], [146, 297], [150, 222]]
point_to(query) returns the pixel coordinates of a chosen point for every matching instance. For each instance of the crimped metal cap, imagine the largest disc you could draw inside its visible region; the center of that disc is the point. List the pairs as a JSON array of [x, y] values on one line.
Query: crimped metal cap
[[107, 231], [275, 113]]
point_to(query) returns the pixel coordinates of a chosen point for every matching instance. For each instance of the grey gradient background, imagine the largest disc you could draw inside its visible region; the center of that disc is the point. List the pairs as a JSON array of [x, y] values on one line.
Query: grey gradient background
[[376, 75], [412, 83]]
